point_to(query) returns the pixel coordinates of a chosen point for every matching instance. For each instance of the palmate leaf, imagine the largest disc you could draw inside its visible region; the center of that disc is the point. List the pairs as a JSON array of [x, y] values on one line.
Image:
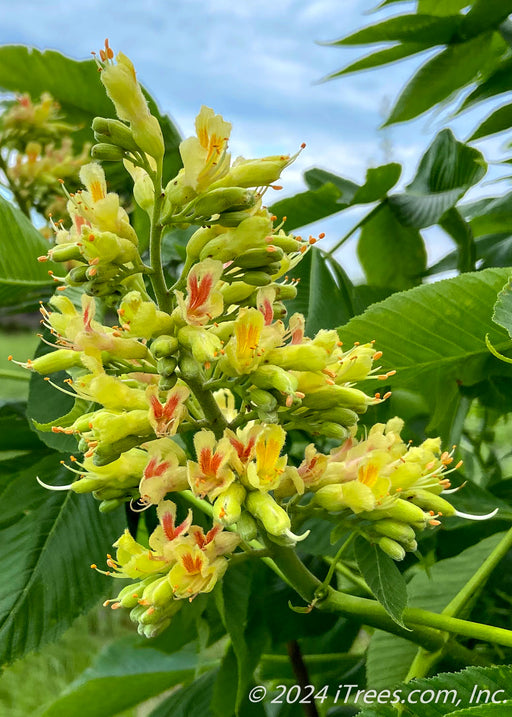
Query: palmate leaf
[[49, 540], [441, 76], [461, 694], [503, 308], [498, 82], [22, 277], [391, 254], [434, 336], [389, 656], [428, 29], [325, 295], [383, 577], [329, 193], [381, 57], [446, 171], [498, 121], [126, 673]]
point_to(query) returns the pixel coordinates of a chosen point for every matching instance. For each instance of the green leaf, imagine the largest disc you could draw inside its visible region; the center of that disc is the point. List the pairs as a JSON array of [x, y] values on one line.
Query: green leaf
[[434, 336], [483, 15], [491, 250], [123, 675], [15, 432], [446, 171], [308, 207], [325, 298], [460, 231], [379, 180], [22, 277], [441, 7], [389, 657], [383, 577], [503, 308], [489, 216], [460, 689], [498, 121], [80, 407], [191, 701], [49, 541], [243, 622], [381, 57], [440, 77], [391, 254], [498, 82], [427, 29]]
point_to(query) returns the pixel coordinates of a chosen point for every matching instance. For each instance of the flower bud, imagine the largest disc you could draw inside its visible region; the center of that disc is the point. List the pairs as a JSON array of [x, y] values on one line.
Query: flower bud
[[236, 292], [164, 346], [59, 360], [77, 275], [114, 132], [257, 278], [302, 357], [166, 366], [65, 252], [336, 396], [255, 172], [402, 532], [430, 501], [262, 399], [203, 344], [392, 548], [227, 507], [332, 430], [275, 519], [220, 200], [246, 526], [402, 510], [254, 258], [270, 376], [107, 152]]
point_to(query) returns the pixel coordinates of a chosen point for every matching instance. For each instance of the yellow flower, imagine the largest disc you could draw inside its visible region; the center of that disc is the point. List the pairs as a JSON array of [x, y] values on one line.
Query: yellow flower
[[265, 473], [205, 157]]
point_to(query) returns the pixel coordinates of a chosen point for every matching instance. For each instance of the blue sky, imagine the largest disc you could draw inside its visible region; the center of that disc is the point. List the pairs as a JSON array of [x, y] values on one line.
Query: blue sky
[[258, 64]]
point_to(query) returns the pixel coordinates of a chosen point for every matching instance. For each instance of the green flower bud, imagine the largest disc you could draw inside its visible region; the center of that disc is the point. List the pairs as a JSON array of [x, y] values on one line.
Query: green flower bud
[[166, 366], [270, 376], [107, 506], [107, 152], [300, 357], [392, 548], [402, 532], [114, 132], [65, 252], [285, 292], [203, 344], [338, 396], [287, 243], [275, 519], [167, 382], [254, 258], [343, 416], [232, 218], [402, 510], [255, 172], [236, 292], [257, 278], [246, 526], [219, 200], [77, 275], [59, 360], [164, 346], [430, 501], [332, 430], [227, 507], [262, 399]]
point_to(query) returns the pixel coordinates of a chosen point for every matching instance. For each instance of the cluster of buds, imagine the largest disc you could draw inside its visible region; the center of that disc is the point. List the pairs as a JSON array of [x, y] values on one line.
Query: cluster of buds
[[38, 152], [181, 562], [216, 356]]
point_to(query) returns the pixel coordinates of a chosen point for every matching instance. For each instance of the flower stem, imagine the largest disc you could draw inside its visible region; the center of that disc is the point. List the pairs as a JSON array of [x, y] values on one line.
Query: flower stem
[[157, 278]]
